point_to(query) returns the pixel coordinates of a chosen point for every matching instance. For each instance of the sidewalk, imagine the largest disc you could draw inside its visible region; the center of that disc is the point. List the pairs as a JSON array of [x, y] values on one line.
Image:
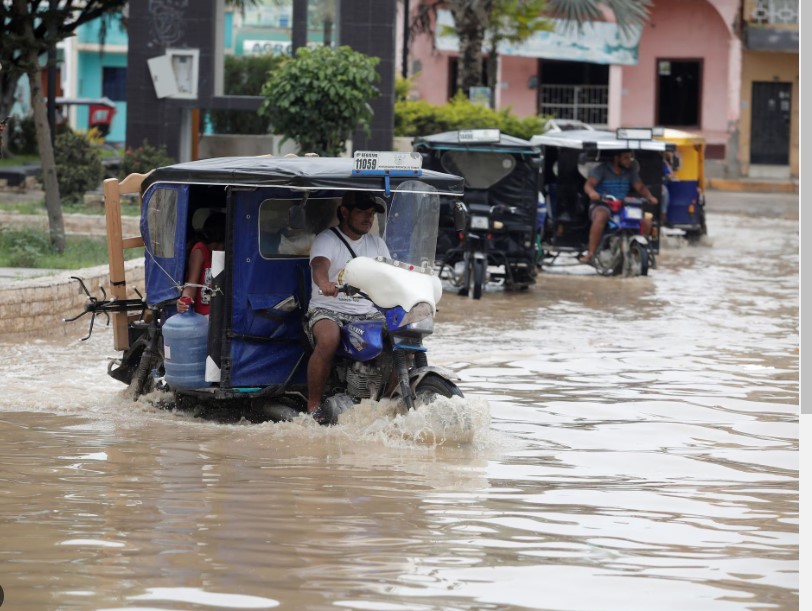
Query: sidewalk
[[753, 185]]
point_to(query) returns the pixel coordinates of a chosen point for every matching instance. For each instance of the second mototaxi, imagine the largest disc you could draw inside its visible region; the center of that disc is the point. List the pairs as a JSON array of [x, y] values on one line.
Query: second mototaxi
[[501, 176]]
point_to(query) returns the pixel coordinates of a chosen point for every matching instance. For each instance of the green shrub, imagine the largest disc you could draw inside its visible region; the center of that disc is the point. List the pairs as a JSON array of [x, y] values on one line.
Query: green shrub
[[22, 135], [244, 76], [144, 159], [78, 165], [320, 97], [32, 248], [419, 118], [23, 247]]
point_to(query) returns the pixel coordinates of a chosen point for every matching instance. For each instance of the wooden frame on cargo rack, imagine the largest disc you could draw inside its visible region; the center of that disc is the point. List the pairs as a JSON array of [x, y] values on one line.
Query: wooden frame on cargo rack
[[116, 245]]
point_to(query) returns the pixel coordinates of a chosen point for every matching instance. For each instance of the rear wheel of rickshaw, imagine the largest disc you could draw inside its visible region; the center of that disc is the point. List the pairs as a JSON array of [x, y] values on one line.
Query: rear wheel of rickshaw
[[479, 277], [142, 381], [695, 236]]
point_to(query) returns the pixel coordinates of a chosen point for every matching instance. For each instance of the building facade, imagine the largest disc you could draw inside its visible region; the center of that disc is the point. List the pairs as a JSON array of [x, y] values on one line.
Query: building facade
[[768, 145], [692, 66]]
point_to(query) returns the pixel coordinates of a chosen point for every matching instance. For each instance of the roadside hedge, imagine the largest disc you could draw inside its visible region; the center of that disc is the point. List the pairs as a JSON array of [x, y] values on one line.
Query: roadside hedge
[[419, 118]]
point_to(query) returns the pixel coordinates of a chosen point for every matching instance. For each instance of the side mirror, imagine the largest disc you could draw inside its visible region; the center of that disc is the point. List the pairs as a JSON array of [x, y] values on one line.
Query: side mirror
[[460, 216]]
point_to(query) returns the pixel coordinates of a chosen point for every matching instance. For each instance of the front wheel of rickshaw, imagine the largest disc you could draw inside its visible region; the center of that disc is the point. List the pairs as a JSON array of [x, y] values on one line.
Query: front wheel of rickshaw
[[433, 386], [608, 260], [638, 259], [479, 277]]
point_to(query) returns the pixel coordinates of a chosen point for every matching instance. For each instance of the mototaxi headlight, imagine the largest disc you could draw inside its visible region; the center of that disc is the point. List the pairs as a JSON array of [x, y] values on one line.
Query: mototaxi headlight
[[420, 312]]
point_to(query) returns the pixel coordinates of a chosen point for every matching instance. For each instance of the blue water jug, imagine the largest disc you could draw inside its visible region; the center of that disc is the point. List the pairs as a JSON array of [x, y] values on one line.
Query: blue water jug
[[185, 347]]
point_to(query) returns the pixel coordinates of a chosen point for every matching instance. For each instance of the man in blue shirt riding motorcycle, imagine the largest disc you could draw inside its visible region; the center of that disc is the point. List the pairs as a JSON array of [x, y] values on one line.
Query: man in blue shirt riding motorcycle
[[612, 178]]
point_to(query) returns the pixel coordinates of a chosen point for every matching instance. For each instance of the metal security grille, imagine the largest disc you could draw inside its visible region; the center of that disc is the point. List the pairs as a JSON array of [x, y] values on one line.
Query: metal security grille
[[587, 103], [775, 11]]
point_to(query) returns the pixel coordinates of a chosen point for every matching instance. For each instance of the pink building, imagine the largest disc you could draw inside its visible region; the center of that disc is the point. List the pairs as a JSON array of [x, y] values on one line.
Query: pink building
[[683, 70]]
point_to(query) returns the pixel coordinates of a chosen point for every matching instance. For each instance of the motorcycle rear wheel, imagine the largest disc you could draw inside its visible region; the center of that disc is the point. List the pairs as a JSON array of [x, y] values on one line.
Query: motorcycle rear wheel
[[639, 259]]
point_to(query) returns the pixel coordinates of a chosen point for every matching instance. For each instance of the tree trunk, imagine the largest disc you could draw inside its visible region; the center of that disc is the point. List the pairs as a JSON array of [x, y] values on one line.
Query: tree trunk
[[470, 19], [8, 85], [492, 62], [53, 201]]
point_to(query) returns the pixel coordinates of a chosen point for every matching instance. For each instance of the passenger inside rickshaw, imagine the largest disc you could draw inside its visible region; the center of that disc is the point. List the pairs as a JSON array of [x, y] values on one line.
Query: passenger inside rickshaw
[[564, 186]]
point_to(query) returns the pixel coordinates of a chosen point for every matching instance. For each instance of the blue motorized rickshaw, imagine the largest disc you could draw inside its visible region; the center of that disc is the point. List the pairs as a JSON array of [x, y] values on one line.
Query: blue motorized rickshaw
[[686, 186], [252, 351], [501, 176]]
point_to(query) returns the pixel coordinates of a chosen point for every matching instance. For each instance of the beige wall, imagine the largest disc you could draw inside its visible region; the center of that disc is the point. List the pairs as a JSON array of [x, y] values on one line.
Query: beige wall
[[766, 66]]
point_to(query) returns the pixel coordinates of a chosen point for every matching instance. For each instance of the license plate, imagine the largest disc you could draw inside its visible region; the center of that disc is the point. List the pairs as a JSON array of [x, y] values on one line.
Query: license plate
[[479, 222], [387, 160], [634, 213]]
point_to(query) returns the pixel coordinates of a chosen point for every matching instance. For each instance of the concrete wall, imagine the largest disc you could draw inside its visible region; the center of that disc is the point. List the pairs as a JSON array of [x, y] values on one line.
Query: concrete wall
[[38, 307]]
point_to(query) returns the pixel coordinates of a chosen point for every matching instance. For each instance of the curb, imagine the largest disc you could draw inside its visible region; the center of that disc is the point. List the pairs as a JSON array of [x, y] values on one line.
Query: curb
[[752, 186]]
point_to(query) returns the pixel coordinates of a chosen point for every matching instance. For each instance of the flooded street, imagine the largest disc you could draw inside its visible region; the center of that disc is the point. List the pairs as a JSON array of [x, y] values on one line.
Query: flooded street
[[628, 445]]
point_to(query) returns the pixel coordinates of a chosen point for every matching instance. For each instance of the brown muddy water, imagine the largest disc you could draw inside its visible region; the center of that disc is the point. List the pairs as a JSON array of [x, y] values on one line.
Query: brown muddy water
[[629, 445]]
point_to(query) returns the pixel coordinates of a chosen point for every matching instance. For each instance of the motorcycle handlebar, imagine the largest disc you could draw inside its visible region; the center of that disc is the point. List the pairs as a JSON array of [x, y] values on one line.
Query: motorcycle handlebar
[[348, 290]]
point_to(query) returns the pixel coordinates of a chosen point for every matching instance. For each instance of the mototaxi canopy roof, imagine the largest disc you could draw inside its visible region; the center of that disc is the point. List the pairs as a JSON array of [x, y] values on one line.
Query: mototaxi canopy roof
[[597, 140], [450, 141], [678, 136], [296, 173]]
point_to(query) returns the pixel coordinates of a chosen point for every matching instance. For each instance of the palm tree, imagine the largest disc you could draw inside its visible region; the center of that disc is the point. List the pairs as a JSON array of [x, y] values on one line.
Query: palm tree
[[472, 19]]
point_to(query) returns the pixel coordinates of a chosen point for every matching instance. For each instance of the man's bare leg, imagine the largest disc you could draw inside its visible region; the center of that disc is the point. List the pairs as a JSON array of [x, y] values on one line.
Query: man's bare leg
[[326, 337], [599, 218]]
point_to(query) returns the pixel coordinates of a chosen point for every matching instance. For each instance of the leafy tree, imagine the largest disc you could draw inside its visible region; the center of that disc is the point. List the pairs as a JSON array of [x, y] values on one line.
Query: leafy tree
[[474, 18], [320, 97], [512, 21], [30, 29]]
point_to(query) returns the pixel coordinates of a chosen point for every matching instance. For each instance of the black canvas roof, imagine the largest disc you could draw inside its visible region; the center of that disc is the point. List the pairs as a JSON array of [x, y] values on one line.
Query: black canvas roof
[[451, 140], [291, 172]]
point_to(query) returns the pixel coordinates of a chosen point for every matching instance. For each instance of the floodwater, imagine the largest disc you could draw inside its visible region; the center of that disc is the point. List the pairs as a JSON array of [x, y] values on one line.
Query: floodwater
[[626, 445]]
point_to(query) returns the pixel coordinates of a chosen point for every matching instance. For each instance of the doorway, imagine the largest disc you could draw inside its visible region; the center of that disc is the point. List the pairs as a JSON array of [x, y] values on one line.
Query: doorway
[[574, 90], [679, 89], [770, 116]]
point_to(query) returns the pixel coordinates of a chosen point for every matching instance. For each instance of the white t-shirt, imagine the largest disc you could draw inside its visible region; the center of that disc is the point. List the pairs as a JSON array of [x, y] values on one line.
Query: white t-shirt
[[329, 246]]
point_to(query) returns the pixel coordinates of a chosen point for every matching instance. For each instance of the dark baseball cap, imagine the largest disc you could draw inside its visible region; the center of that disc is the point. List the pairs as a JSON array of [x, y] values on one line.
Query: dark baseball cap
[[363, 201]]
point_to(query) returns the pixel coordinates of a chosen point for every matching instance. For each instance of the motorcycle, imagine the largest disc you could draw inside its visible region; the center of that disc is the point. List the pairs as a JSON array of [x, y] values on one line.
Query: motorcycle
[[255, 351], [386, 358], [622, 249], [563, 217]]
